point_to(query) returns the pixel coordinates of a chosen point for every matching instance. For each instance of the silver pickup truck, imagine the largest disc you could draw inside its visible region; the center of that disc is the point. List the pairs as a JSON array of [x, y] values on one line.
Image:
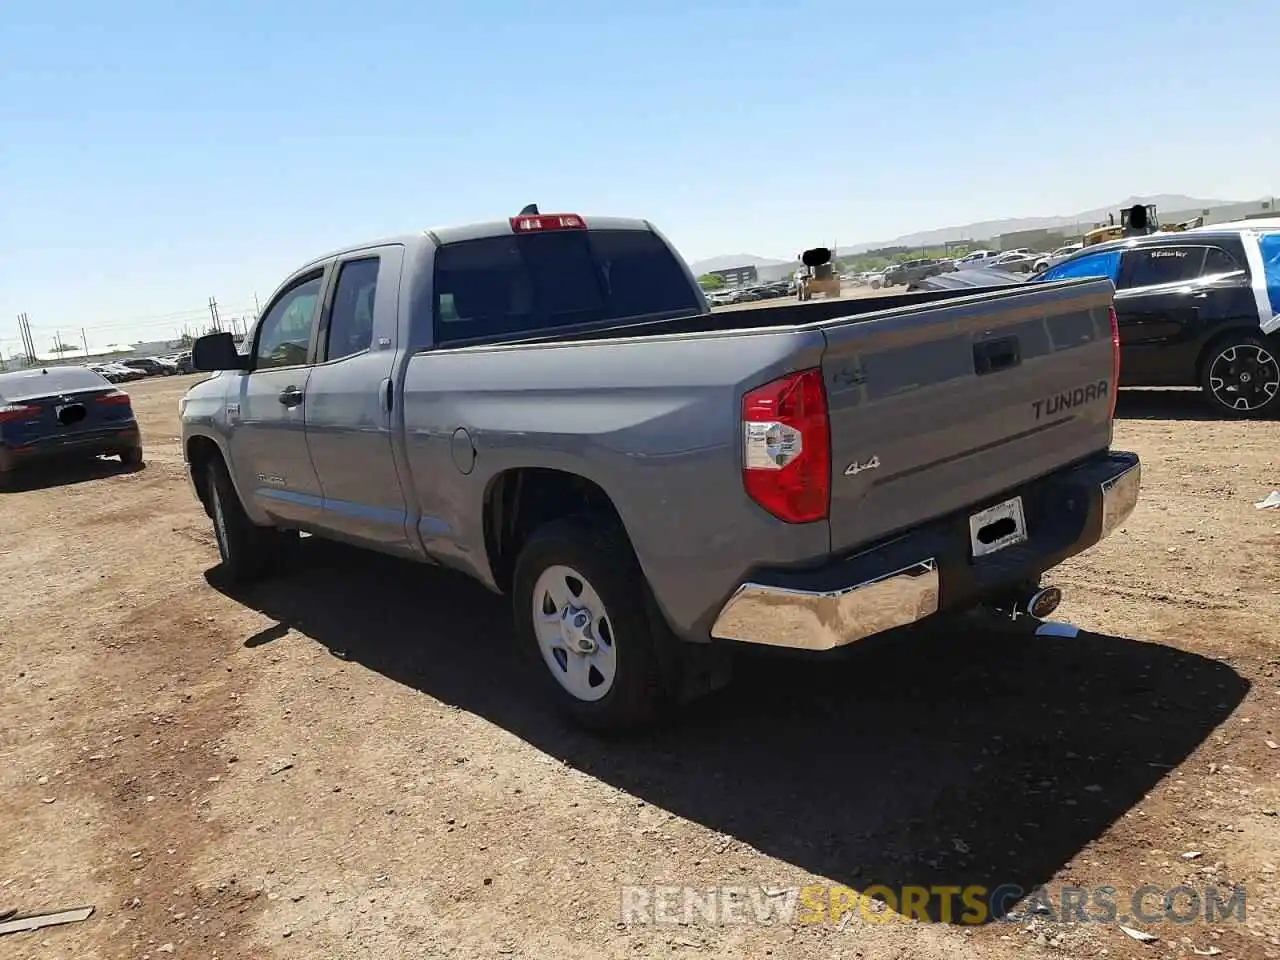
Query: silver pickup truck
[[546, 403]]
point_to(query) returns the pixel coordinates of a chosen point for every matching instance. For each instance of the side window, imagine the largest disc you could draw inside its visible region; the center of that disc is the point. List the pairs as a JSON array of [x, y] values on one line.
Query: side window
[[1149, 266], [1218, 262], [1105, 264], [351, 317], [285, 331]]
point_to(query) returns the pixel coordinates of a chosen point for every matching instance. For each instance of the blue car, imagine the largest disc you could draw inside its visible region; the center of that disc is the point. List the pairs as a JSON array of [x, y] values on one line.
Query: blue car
[[64, 411]]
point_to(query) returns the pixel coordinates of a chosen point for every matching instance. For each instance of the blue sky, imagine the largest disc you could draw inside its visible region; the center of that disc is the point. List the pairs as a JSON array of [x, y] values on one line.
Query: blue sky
[[172, 151]]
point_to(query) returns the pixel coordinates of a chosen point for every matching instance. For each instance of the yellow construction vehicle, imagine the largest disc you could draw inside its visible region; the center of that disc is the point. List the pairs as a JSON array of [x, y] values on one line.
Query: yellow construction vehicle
[[1114, 231], [819, 276]]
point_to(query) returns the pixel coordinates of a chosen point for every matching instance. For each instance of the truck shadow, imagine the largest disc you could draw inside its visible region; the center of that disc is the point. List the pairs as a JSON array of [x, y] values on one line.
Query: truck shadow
[[933, 760]]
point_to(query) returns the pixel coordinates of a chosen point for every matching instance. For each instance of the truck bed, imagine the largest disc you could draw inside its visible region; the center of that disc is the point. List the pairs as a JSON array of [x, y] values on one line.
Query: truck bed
[[810, 314]]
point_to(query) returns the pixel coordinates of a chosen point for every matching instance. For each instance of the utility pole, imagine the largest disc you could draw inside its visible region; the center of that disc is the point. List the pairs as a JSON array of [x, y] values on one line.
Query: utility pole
[[257, 310], [28, 345], [213, 315], [85, 340]]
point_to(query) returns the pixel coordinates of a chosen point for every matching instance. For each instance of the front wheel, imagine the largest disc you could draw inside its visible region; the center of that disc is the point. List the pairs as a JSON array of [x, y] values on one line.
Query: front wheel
[[246, 549], [1241, 377], [131, 457], [580, 614]]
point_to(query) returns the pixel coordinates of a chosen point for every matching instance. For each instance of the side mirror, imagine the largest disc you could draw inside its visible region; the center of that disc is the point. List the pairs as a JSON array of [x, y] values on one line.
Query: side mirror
[[217, 351]]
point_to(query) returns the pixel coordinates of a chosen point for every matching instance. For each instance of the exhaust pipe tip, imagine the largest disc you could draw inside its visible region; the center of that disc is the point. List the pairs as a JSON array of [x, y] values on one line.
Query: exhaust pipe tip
[[1043, 602]]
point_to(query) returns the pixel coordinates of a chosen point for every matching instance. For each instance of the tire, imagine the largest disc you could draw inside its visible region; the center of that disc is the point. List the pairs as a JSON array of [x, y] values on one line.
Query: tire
[[1240, 376], [131, 457], [247, 550], [612, 682]]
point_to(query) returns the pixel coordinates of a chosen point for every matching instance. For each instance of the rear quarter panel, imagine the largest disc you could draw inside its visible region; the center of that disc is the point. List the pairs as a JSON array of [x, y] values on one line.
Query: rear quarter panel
[[654, 422]]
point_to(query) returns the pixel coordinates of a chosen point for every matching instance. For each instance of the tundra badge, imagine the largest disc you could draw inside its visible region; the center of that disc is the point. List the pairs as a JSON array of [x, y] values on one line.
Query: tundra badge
[[1070, 398], [855, 468]]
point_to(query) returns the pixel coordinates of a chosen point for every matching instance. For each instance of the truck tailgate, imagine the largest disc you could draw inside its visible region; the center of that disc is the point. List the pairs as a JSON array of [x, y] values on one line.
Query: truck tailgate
[[934, 409]]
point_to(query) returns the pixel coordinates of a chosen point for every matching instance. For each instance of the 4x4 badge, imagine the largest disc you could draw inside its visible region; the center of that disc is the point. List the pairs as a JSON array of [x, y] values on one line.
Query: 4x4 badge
[[855, 468]]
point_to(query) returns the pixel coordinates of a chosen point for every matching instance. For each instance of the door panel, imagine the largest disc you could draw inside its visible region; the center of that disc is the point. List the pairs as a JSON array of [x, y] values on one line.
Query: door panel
[[268, 434], [1170, 298], [349, 410]]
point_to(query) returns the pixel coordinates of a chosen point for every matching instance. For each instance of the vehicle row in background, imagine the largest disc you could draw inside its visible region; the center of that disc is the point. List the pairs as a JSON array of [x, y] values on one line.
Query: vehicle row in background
[[135, 368], [752, 293]]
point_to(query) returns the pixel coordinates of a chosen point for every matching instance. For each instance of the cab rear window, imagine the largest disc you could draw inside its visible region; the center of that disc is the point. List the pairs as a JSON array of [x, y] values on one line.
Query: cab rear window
[[521, 285]]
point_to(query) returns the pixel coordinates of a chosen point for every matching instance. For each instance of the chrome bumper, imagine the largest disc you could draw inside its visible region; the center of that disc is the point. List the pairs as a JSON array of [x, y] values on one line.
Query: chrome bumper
[[1119, 497], [822, 620], [825, 619]]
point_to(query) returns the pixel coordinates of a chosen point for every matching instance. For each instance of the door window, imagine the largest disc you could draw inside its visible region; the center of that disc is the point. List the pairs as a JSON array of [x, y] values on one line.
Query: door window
[[351, 318], [285, 331], [1151, 266], [1218, 262], [1103, 264]]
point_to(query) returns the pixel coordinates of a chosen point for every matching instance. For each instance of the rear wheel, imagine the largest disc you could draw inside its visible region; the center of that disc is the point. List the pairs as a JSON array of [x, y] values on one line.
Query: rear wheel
[[247, 550], [1241, 377], [131, 457], [580, 613]]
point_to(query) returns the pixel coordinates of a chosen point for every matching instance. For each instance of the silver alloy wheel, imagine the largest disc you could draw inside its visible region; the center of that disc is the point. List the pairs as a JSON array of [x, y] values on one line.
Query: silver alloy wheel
[[219, 522], [1244, 377], [575, 634]]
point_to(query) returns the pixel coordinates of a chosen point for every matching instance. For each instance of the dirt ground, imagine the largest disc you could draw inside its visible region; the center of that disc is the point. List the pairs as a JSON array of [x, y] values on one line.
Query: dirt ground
[[349, 762]]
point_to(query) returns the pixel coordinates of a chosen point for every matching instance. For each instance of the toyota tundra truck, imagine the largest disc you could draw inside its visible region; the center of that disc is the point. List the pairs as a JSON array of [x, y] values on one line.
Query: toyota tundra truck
[[547, 404]]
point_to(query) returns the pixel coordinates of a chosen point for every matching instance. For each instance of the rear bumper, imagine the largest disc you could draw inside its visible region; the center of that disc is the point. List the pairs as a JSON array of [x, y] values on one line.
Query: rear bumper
[[88, 443], [930, 569]]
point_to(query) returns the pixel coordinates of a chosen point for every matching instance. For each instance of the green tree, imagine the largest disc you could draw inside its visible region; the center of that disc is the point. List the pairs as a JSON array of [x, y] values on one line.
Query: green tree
[[63, 348], [709, 281]]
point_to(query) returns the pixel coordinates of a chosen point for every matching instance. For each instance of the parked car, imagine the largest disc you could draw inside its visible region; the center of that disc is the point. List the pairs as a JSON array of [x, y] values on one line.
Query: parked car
[[1013, 262], [150, 366], [908, 271], [975, 257], [63, 411], [973, 278], [648, 481], [1200, 308], [1056, 257], [118, 372]]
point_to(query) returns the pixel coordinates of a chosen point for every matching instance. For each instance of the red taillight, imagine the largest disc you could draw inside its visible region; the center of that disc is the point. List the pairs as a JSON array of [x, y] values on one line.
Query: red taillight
[[548, 221], [786, 447], [17, 411], [1115, 359], [116, 397]]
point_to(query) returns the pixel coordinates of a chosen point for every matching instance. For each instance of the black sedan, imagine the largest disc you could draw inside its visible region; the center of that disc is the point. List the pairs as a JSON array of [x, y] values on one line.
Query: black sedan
[[64, 411], [1199, 308]]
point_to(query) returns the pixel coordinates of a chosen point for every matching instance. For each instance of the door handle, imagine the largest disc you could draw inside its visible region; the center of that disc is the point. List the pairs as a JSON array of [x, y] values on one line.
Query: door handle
[[291, 396], [992, 356]]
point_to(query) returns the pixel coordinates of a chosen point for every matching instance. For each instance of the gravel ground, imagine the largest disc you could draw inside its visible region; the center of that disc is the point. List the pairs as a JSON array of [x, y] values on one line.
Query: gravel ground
[[348, 761]]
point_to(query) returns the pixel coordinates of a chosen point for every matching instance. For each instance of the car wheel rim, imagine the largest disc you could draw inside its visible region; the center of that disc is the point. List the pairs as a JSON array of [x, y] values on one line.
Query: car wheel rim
[[1244, 377], [219, 522], [575, 633]]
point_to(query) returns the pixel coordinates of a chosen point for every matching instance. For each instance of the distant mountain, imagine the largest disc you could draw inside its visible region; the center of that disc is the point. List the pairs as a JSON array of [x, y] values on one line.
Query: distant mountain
[[729, 261], [986, 230]]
